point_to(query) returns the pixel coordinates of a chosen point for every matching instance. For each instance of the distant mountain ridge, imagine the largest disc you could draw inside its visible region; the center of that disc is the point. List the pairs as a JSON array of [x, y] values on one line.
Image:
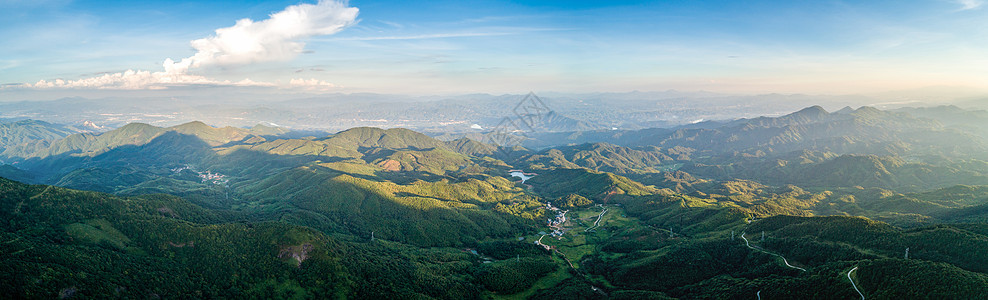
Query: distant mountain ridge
[[87, 144], [864, 131], [772, 206], [30, 135]]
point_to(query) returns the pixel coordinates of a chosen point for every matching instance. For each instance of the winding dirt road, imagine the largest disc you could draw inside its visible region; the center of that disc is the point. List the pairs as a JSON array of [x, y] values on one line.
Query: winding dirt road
[[852, 282], [595, 224], [780, 256]]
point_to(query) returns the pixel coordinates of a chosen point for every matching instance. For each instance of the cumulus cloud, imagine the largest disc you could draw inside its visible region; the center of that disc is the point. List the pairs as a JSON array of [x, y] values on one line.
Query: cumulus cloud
[[274, 39], [970, 4], [278, 38]]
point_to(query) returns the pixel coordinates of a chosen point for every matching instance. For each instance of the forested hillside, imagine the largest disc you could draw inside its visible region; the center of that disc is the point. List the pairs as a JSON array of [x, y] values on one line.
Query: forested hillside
[[776, 207]]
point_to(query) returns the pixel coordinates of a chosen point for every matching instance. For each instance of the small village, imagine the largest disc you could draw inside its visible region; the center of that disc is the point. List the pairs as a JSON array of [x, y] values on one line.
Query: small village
[[207, 177], [556, 224]]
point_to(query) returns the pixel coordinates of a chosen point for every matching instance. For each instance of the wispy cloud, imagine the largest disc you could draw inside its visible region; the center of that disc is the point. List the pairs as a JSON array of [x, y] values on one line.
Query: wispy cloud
[[424, 36], [7, 64], [133, 80], [277, 38], [393, 24], [474, 32], [970, 4]]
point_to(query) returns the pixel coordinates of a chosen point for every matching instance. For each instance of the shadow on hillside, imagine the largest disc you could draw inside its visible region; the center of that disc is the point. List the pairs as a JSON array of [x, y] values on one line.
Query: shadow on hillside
[[319, 200]]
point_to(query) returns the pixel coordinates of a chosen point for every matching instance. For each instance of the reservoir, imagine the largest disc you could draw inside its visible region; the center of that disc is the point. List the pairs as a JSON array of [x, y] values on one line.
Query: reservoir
[[524, 176]]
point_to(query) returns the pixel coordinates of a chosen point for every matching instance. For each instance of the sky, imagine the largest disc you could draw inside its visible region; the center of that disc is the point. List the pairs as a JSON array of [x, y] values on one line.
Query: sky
[[456, 47]]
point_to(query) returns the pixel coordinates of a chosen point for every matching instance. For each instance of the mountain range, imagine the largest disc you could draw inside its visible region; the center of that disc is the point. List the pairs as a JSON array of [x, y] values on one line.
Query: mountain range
[[782, 207]]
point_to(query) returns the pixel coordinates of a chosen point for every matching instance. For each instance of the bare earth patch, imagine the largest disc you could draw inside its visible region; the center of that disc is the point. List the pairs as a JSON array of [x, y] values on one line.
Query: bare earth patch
[[390, 165], [67, 292], [191, 244], [167, 211], [300, 252]]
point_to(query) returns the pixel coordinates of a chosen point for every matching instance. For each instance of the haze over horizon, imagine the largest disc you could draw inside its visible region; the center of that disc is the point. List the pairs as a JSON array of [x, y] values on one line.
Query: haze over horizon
[[64, 48], [362, 149]]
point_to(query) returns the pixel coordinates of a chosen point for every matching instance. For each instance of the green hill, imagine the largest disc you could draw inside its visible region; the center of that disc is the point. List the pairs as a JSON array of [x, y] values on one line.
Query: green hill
[[395, 138], [781, 207], [421, 213], [470, 147], [606, 157], [60, 242], [597, 186]]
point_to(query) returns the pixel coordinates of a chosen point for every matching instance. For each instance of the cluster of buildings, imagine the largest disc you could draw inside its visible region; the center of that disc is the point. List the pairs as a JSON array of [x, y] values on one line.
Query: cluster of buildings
[[208, 176], [215, 178], [557, 222]]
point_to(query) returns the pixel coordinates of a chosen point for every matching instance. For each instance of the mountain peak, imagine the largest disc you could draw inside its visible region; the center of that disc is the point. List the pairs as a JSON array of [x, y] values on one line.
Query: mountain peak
[[394, 138], [365, 129], [867, 111], [844, 111], [262, 126], [811, 113], [264, 129], [812, 110], [136, 125], [192, 125], [132, 127]]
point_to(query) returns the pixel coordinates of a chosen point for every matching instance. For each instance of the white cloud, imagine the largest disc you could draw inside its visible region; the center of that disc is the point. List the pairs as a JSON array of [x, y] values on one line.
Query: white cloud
[[970, 4], [132, 80], [277, 38], [311, 84], [274, 39]]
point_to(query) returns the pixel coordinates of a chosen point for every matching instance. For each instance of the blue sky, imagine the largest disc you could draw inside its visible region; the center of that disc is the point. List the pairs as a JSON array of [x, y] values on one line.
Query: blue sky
[[436, 47]]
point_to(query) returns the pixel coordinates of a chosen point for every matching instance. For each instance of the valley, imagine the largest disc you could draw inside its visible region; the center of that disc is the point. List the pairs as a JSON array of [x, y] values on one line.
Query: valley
[[586, 150], [774, 207]]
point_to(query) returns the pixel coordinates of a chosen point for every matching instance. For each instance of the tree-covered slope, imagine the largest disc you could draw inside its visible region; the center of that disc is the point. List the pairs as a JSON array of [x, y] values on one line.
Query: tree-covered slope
[[58, 242], [700, 211]]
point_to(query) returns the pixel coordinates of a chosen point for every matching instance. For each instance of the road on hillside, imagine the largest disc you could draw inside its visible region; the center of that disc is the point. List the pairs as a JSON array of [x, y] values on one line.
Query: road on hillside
[[759, 249], [852, 282], [595, 224]]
